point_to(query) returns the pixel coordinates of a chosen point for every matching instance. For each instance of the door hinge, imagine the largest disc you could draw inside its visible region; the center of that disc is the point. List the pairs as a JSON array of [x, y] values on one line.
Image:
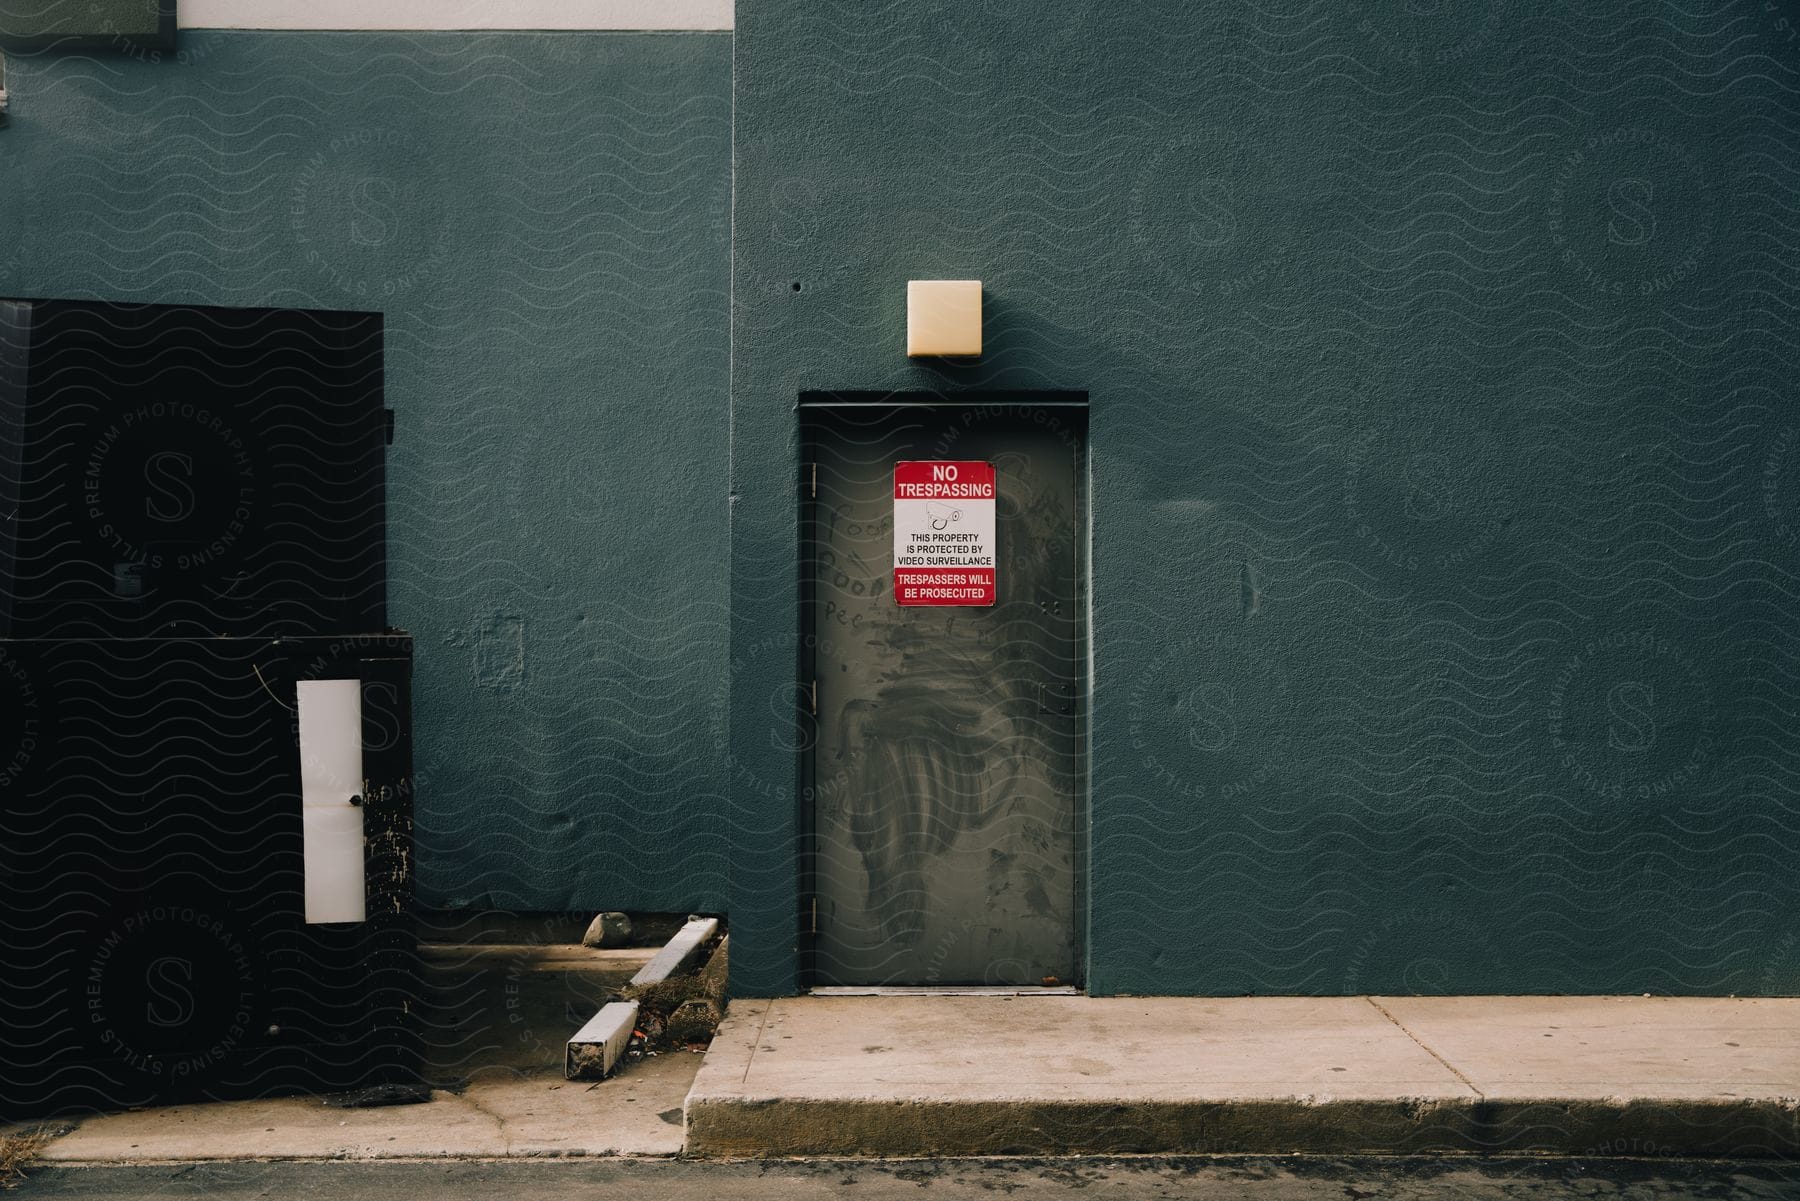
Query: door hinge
[[812, 694], [815, 916]]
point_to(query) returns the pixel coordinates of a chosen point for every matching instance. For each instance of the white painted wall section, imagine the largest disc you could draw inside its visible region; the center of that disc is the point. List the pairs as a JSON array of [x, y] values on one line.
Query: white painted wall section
[[374, 15]]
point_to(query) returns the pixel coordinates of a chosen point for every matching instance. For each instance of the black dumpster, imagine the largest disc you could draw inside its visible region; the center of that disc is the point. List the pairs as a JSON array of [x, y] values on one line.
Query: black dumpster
[[205, 724]]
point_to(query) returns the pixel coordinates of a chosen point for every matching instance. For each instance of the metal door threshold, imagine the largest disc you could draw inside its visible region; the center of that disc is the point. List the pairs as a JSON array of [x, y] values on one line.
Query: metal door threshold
[[940, 990]]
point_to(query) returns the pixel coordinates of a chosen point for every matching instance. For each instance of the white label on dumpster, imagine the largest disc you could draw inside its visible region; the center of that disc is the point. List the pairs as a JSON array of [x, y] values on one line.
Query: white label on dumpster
[[944, 533], [331, 773]]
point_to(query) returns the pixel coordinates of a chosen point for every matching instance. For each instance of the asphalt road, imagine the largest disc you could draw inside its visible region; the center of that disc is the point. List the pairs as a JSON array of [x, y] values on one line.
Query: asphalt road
[[1258, 1179]]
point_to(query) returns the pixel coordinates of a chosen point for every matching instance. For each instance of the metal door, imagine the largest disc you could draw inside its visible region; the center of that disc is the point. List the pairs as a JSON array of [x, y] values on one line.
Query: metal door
[[945, 772]]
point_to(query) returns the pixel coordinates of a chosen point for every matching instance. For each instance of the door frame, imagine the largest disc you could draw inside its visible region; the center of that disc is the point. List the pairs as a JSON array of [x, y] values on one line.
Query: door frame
[[805, 655]]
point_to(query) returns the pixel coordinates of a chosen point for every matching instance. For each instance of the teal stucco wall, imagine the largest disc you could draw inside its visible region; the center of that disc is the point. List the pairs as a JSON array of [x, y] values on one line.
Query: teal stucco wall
[[1446, 462], [544, 220]]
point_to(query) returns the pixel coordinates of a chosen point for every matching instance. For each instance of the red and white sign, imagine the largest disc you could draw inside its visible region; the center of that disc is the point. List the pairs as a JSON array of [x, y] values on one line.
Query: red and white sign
[[944, 533]]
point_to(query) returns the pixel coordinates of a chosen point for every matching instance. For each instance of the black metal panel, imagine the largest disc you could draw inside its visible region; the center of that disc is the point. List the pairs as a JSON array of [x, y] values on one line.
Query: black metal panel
[[181, 472], [151, 875]]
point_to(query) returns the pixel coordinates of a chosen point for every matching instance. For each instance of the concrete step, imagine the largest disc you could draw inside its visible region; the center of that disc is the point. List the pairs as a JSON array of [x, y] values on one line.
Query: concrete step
[[467, 926], [935, 1075], [527, 957]]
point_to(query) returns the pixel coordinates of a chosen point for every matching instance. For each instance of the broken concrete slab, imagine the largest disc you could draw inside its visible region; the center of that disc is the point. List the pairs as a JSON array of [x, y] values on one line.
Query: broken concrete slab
[[595, 1051], [680, 952]]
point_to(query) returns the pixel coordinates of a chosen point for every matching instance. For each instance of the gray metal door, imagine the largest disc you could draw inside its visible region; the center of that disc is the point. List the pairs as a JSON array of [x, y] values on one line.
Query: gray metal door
[[945, 772]]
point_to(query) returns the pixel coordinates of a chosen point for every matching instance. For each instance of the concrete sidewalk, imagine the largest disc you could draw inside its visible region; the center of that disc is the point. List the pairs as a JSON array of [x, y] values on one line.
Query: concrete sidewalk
[[938, 1075], [500, 1115]]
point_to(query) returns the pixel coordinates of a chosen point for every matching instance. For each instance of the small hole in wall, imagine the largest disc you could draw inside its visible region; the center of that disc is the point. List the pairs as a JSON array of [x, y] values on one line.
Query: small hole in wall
[[796, 285]]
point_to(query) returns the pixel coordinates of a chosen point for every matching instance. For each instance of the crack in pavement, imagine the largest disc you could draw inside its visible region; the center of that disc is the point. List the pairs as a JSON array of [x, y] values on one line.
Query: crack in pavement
[[764, 1025], [500, 1125], [1468, 1083]]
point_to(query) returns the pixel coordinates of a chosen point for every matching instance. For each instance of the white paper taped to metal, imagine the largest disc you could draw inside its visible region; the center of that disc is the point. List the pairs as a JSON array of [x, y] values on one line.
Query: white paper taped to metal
[[331, 772]]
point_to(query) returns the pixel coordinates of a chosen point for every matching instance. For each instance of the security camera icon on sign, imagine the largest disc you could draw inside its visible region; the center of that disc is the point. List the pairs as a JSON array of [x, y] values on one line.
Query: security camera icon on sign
[[941, 515]]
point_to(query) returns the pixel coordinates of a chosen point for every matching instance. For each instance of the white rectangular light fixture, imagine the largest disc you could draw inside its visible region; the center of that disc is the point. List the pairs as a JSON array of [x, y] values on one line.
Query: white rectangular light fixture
[[943, 318]]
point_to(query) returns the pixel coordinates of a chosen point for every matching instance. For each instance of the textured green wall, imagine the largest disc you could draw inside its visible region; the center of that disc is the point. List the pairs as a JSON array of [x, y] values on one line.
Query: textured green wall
[[543, 218], [1446, 460]]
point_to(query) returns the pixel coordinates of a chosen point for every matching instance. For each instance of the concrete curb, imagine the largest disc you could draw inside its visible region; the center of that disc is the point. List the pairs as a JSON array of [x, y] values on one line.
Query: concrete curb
[[963, 1076], [779, 1127]]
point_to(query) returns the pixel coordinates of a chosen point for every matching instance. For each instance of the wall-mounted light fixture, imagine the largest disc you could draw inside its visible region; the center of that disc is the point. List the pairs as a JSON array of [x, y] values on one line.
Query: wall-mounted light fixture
[[943, 318]]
